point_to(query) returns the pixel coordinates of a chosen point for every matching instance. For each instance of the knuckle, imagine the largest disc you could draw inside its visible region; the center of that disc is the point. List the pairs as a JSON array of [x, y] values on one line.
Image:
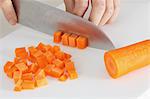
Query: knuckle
[[100, 3], [110, 11]]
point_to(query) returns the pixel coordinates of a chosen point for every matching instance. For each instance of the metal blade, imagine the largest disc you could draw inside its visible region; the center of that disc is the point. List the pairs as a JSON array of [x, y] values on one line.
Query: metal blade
[[47, 19]]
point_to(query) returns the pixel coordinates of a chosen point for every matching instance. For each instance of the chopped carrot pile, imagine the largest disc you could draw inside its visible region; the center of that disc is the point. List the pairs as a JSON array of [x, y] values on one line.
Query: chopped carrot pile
[[31, 66], [70, 39]]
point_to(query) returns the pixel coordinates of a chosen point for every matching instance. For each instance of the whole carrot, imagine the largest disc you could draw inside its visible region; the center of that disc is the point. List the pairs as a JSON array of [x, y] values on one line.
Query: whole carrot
[[124, 60]]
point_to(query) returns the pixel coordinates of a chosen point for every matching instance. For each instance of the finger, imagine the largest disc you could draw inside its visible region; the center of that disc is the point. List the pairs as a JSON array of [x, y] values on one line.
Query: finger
[[108, 12], [9, 12], [98, 9], [69, 5], [81, 7], [116, 11]]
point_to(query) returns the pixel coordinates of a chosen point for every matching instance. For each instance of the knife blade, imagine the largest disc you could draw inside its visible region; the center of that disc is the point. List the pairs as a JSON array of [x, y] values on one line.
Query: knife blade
[[47, 19]]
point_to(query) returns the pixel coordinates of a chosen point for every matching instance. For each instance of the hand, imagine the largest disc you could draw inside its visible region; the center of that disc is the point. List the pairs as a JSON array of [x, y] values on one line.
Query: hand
[[8, 10], [102, 12]]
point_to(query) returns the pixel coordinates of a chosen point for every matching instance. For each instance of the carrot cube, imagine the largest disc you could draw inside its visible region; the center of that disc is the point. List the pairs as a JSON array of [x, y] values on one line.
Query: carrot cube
[[57, 36], [21, 52], [42, 61], [70, 66], [82, 42], [41, 47], [33, 68], [41, 82], [40, 74], [67, 56], [32, 50], [72, 40], [16, 76], [58, 63], [18, 85], [8, 66], [50, 57], [20, 60], [56, 49], [48, 69], [73, 75], [11, 71], [27, 76], [63, 77], [60, 55], [28, 84], [65, 38], [56, 72], [22, 67]]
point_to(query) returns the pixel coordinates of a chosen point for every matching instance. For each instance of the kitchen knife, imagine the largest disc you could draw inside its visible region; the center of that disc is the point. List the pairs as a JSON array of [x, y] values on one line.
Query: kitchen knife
[[47, 19]]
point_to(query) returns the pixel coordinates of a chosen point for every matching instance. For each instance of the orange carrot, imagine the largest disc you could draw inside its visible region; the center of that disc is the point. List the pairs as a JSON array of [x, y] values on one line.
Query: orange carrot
[[124, 60], [28, 84], [48, 69], [27, 76], [33, 68], [21, 52], [60, 55], [50, 57], [41, 82], [41, 47], [82, 42], [22, 67], [18, 85], [42, 61], [72, 40], [11, 71], [57, 36], [56, 72], [8, 66], [17, 75], [63, 77], [58, 63], [56, 49], [65, 38]]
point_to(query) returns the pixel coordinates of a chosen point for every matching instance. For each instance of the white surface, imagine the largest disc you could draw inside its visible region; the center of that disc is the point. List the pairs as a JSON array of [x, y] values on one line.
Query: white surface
[[131, 27]]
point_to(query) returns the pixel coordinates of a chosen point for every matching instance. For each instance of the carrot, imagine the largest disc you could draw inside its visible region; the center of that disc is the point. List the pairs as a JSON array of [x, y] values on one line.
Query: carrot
[[20, 60], [72, 40], [17, 75], [33, 68], [82, 42], [41, 47], [27, 76], [70, 66], [18, 85], [40, 74], [21, 52], [22, 67], [42, 61], [41, 82], [124, 60], [56, 72], [28, 84], [65, 38], [60, 55], [48, 69], [58, 63], [50, 57], [11, 71], [56, 49], [8, 66], [63, 77], [57, 36], [73, 75]]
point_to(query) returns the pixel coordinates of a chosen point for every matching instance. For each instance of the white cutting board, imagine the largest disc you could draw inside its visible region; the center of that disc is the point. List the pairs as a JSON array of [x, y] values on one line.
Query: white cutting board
[[93, 79]]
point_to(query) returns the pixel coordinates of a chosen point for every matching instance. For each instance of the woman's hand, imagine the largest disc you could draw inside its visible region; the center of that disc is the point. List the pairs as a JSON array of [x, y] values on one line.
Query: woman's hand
[[8, 10], [102, 12]]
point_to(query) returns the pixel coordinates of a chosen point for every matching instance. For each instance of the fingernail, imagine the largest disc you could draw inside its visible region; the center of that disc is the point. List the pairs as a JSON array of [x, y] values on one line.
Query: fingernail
[[12, 21]]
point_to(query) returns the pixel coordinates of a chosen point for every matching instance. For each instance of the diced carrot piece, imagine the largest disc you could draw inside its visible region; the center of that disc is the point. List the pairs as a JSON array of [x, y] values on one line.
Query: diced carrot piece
[[33, 68], [41, 47], [27, 76], [28, 84], [11, 71], [65, 38], [20, 60], [8, 66], [50, 57], [72, 40], [57, 36], [70, 66], [17, 75], [63, 77], [48, 69], [60, 55], [126, 59], [67, 56], [73, 75], [56, 72], [58, 63], [22, 67], [56, 49], [50, 48], [40, 74], [42, 61], [41, 82], [21, 52], [18, 85], [32, 50], [82, 42], [37, 54]]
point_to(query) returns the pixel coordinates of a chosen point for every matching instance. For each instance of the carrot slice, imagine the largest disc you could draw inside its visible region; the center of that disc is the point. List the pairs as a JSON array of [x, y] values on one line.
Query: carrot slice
[[73, 75], [56, 49], [65, 38], [22, 67], [42, 61], [48, 69], [58, 63], [11, 71], [18, 86], [56, 72], [72, 40], [41, 82], [21, 52], [42, 47], [17, 75], [64, 77], [50, 57], [32, 50], [27, 76], [40, 74], [70, 66], [33, 68], [124, 60], [20, 60], [8, 66], [57, 36], [28, 84], [60, 55], [82, 42]]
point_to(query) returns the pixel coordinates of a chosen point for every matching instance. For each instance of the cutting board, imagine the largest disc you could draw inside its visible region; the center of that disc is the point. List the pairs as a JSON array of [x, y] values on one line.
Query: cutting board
[[93, 81]]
